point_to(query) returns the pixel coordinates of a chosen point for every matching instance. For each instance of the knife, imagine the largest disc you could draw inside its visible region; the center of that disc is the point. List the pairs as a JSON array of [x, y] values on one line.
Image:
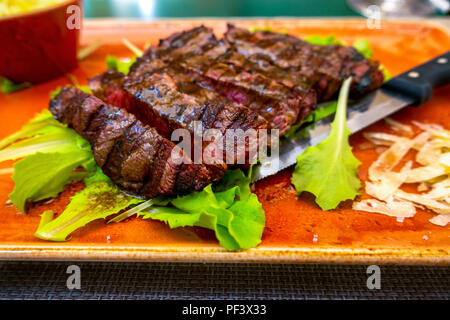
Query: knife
[[412, 87]]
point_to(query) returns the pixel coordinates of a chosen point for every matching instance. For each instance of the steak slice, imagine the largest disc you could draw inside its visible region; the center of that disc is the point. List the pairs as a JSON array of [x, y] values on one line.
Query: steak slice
[[135, 156], [156, 100], [217, 67], [189, 42], [324, 67]]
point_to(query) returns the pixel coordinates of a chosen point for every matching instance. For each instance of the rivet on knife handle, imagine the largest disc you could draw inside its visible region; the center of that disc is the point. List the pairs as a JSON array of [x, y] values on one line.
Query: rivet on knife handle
[[420, 81]]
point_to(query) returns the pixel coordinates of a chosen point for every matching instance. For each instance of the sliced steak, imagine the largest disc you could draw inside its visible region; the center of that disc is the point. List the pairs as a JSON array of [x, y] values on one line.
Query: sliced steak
[[135, 156], [324, 67], [217, 67], [156, 100]]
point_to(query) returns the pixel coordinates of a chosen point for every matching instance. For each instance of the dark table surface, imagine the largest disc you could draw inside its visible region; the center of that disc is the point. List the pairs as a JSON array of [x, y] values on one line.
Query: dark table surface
[[107, 280]]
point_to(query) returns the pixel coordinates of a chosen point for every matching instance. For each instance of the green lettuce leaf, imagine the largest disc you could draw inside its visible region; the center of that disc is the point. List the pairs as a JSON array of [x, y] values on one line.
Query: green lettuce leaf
[[329, 169], [363, 47], [114, 63], [40, 124], [302, 128], [324, 41], [7, 86], [231, 211], [51, 152], [42, 176], [100, 199]]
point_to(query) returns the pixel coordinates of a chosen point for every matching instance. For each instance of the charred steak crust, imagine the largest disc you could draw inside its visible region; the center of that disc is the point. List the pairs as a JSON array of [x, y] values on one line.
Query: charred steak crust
[[135, 156], [324, 67], [281, 100], [156, 100]]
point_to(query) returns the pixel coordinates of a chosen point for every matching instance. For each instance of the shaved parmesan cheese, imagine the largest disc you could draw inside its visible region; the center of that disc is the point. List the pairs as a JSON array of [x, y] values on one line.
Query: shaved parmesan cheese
[[429, 153], [434, 129], [440, 220], [399, 209], [398, 126], [380, 138], [389, 159], [387, 184], [433, 154], [437, 206], [445, 160], [425, 173]]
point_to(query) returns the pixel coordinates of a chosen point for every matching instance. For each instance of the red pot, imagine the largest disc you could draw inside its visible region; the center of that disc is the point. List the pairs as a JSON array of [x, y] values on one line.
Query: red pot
[[39, 45]]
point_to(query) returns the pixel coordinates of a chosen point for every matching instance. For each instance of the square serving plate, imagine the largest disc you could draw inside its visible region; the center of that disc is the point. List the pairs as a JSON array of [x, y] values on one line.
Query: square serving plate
[[297, 231]]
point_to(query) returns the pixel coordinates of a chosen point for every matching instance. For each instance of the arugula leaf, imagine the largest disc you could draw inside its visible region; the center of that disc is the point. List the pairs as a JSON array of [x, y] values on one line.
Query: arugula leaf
[[233, 213], [100, 199], [329, 169], [363, 47], [42, 134], [386, 74], [52, 151], [7, 86], [322, 111], [40, 124], [323, 41], [114, 63], [42, 176]]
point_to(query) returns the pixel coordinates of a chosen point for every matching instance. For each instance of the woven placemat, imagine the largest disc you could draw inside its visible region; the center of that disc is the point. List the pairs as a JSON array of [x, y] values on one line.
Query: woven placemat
[[106, 280]]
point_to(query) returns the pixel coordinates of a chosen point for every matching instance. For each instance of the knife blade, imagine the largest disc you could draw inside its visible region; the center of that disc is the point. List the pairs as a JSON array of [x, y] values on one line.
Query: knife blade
[[411, 87]]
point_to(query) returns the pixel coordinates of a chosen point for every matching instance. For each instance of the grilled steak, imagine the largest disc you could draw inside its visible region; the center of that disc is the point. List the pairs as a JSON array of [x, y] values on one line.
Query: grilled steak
[[135, 156], [156, 100], [281, 99], [324, 67], [198, 83]]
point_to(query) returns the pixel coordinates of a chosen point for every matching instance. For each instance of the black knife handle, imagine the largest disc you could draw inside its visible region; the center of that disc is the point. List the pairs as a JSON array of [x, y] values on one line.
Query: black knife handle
[[420, 81]]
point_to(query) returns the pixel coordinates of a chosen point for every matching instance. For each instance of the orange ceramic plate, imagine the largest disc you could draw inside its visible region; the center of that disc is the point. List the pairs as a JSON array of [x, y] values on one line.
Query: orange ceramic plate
[[343, 235]]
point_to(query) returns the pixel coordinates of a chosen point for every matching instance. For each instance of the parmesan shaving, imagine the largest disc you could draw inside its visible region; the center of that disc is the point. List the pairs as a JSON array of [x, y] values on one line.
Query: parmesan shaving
[[434, 205], [380, 138], [426, 173], [398, 126], [398, 209], [433, 173], [389, 159], [440, 220]]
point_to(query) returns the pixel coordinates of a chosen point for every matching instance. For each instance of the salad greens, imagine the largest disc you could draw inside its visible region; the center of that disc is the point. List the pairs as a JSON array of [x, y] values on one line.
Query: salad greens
[[42, 176], [113, 63], [7, 86], [322, 40], [329, 169], [363, 47], [98, 200], [231, 211], [51, 152], [302, 128]]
